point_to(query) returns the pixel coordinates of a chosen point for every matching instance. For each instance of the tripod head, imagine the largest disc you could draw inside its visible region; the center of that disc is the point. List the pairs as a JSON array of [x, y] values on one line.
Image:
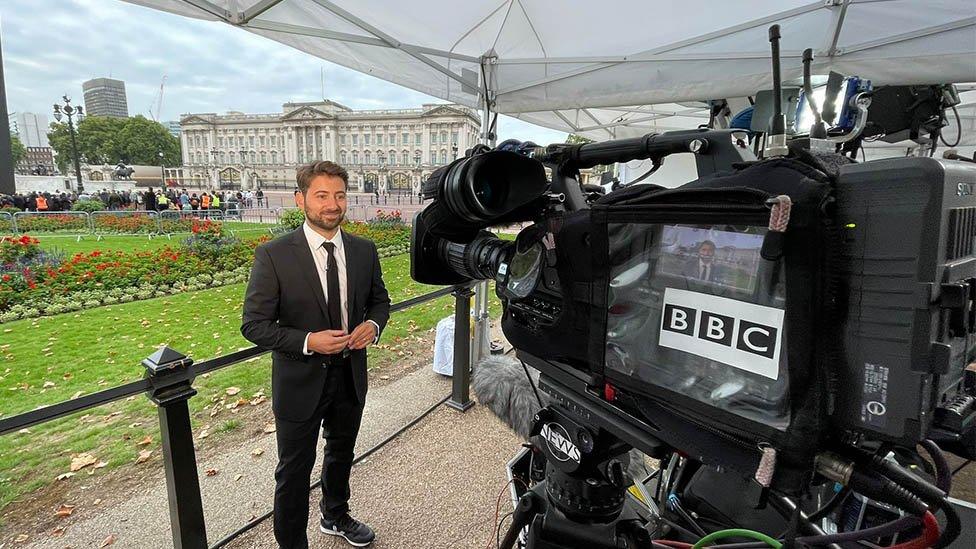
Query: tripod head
[[582, 500]]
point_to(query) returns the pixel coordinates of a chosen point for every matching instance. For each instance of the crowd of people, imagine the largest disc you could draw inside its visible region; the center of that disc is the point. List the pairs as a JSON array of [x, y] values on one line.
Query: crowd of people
[[152, 200]]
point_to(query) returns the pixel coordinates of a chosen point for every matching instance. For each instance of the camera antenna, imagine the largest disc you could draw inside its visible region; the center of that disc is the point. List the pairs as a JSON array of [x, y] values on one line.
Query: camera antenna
[[777, 125], [818, 130]]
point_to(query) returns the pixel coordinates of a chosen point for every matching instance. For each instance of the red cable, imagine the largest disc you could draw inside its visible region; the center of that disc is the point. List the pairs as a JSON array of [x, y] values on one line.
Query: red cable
[[677, 544], [930, 534]]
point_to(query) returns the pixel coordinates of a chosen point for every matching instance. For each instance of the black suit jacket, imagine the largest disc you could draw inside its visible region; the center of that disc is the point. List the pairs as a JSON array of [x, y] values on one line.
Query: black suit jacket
[[285, 301], [715, 274]]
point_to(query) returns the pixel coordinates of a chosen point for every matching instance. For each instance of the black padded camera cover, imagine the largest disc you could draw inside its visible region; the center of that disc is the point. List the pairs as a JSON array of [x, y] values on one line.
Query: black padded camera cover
[[689, 310]]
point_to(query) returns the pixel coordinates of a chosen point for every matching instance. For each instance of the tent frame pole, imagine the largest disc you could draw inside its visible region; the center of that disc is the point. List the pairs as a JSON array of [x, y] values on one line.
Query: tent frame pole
[[482, 325]]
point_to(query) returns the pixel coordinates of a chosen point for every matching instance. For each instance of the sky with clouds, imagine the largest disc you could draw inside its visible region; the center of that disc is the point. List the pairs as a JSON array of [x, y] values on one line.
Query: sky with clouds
[[51, 46]]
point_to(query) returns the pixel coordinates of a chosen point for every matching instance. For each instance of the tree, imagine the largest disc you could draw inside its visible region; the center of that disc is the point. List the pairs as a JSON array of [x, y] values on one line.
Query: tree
[[17, 150], [141, 140], [575, 139], [108, 140]]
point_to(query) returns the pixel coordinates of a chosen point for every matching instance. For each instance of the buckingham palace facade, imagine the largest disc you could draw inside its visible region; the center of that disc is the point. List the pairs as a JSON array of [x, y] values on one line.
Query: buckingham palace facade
[[386, 151]]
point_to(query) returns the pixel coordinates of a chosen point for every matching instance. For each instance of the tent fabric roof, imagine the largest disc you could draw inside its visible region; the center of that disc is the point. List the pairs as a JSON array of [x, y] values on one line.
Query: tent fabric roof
[[581, 66]]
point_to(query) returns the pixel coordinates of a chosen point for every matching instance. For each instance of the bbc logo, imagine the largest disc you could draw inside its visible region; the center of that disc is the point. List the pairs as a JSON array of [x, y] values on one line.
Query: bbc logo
[[744, 335], [721, 329]]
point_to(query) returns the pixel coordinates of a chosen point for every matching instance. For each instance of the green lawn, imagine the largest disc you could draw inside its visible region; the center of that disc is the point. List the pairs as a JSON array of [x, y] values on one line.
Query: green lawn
[[49, 359]]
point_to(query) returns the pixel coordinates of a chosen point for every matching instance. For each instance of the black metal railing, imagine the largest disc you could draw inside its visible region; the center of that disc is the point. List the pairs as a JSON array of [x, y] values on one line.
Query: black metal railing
[[169, 384]]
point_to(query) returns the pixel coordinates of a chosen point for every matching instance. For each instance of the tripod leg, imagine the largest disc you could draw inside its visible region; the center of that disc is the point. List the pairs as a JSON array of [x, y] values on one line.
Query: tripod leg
[[528, 507]]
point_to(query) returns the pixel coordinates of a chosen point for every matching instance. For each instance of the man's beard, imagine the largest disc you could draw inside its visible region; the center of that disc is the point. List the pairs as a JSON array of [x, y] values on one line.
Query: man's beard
[[321, 223]]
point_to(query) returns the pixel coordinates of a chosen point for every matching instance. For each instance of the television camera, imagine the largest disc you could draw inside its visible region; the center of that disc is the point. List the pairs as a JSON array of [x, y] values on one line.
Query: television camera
[[782, 332]]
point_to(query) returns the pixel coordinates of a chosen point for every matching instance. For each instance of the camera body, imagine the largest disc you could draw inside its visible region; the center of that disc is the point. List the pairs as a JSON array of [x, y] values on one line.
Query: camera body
[[681, 310], [908, 226]]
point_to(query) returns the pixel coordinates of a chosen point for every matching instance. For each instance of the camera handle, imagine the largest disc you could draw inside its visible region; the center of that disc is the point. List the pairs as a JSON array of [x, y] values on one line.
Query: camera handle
[[714, 150]]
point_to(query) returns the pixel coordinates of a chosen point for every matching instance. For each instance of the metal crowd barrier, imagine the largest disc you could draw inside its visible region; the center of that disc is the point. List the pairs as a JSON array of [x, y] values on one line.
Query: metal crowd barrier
[[254, 215], [181, 221], [124, 223], [7, 224], [76, 224], [169, 384]]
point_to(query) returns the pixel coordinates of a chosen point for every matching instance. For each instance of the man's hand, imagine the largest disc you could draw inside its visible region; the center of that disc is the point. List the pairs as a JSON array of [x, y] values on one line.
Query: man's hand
[[328, 342], [362, 336]]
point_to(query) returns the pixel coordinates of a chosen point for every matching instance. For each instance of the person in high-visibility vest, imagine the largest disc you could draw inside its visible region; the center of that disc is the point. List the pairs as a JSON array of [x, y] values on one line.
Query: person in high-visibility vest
[[162, 201], [41, 203], [215, 204]]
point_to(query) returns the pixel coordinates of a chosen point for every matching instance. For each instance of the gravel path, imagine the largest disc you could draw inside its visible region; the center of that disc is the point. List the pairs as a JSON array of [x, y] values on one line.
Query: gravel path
[[244, 483], [434, 487]]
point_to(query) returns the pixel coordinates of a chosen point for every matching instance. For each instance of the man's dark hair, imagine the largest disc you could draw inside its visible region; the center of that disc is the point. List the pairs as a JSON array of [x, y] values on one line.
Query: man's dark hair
[[706, 243], [308, 172]]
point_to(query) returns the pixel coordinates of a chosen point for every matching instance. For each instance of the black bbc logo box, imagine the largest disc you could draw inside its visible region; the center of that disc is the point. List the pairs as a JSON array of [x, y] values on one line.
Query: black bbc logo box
[[751, 337]]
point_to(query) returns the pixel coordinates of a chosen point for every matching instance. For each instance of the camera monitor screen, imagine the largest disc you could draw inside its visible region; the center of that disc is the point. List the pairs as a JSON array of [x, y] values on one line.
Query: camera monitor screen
[[694, 309]]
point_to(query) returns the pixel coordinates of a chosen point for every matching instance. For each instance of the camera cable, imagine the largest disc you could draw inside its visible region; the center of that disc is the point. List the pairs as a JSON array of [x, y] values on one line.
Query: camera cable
[[532, 384], [961, 467], [932, 496], [929, 535], [943, 476]]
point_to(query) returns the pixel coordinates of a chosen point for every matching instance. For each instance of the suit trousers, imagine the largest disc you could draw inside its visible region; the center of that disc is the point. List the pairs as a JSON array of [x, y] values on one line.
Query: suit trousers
[[339, 414]]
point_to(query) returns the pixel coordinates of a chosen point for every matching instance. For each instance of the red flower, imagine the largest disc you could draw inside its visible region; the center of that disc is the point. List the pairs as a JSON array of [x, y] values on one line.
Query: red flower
[[31, 284], [6, 277]]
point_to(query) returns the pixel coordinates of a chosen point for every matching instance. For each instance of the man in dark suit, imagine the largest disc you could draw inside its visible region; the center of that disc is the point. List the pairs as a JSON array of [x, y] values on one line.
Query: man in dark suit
[[703, 266], [316, 298]]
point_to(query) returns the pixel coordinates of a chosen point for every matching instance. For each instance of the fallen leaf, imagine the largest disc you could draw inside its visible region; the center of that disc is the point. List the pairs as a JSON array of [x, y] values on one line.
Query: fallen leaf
[[107, 541], [21, 538], [23, 432], [80, 461], [65, 476], [100, 464], [259, 400], [65, 510], [97, 501], [270, 428], [143, 456], [239, 477], [212, 472], [231, 391], [48, 384], [145, 441], [203, 435], [257, 452], [57, 532], [76, 395], [134, 425]]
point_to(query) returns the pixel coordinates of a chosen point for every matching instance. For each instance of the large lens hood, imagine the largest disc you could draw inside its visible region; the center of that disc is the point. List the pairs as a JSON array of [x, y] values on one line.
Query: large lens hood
[[487, 186]]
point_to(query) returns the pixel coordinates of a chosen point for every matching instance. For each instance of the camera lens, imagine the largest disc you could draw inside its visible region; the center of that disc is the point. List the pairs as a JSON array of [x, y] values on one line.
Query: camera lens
[[484, 188], [487, 195]]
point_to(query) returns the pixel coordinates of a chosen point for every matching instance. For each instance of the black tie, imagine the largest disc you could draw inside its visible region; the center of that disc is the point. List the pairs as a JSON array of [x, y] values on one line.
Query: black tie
[[332, 284]]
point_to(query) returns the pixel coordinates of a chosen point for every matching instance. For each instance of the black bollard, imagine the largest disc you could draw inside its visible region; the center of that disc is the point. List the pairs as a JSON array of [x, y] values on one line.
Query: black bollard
[[172, 388], [461, 378]]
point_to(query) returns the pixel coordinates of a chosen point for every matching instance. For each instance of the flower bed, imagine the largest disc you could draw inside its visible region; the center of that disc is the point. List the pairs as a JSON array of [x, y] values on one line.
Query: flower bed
[[34, 283], [390, 234], [125, 223], [53, 223], [54, 286], [6, 222], [174, 223]]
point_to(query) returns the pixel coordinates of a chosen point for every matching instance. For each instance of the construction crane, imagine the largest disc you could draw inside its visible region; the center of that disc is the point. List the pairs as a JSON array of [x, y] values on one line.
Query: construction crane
[[158, 102]]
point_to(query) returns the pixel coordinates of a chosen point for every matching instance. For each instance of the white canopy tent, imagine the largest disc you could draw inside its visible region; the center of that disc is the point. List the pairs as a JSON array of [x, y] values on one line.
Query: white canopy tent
[[610, 69]]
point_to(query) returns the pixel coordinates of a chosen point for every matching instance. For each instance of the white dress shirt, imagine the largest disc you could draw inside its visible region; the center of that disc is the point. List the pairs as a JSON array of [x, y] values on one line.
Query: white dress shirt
[[321, 258]]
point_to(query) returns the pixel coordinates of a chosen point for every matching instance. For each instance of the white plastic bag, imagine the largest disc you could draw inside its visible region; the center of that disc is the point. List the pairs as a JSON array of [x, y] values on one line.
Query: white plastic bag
[[444, 346]]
